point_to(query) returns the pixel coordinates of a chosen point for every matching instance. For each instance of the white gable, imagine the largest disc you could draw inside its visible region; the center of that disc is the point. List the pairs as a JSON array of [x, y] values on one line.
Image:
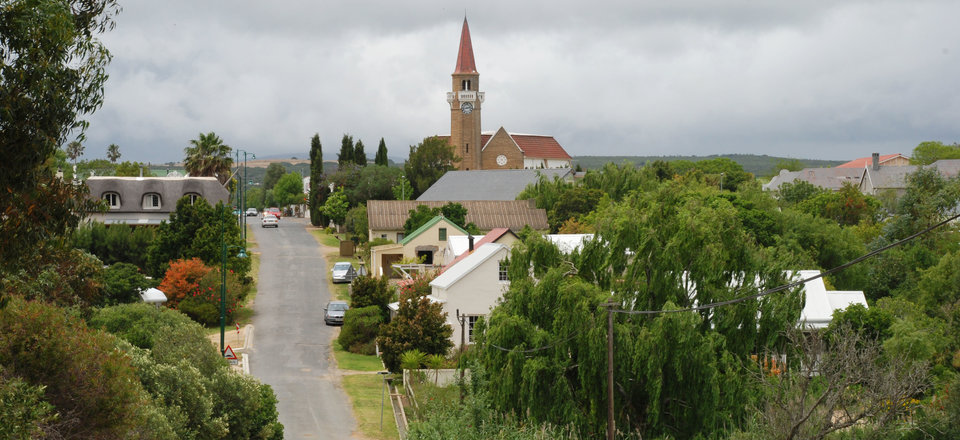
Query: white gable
[[453, 274]]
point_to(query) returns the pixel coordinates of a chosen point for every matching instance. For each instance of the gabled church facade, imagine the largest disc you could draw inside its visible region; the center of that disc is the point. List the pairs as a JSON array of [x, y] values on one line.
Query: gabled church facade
[[500, 149]]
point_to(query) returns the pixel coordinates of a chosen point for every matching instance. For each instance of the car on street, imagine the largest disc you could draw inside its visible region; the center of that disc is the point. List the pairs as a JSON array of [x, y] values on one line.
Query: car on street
[[252, 212], [273, 211], [343, 272], [269, 221], [334, 311]]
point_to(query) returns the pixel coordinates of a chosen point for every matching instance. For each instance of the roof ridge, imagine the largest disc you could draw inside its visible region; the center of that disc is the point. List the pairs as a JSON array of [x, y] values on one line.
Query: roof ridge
[[427, 225]]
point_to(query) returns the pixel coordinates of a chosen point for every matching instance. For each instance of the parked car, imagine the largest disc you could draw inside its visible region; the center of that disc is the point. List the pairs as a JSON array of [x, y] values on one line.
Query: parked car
[[273, 211], [343, 272], [334, 311], [252, 212], [269, 221]]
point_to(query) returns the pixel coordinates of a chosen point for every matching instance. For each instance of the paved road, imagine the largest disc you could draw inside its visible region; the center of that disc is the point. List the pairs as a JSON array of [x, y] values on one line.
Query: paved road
[[291, 345]]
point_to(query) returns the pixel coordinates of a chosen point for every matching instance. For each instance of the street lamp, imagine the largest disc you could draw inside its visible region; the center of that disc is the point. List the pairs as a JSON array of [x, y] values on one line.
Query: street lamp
[[242, 192], [223, 274]]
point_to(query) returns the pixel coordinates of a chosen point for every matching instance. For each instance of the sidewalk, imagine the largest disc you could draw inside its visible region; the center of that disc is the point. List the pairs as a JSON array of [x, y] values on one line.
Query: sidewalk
[[239, 342]]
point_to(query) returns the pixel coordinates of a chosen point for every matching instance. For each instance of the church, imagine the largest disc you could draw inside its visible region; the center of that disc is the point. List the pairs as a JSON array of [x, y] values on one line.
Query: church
[[497, 150]]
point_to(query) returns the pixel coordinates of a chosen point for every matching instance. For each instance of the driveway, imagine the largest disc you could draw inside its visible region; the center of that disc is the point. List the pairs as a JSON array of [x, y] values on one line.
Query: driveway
[[291, 345]]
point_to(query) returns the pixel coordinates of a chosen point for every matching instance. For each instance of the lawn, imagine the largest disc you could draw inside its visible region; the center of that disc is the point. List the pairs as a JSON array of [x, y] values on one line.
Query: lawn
[[355, 362], [324, 238], [366, 392]]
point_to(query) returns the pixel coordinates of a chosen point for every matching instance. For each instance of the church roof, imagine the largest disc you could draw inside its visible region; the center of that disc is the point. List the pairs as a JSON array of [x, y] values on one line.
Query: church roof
[[534, 145], [465, 62]]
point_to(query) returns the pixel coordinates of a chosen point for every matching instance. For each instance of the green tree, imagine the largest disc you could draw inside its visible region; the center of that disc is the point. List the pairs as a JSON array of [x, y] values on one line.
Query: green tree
[[360, 328], [208, 156], [131, 169], [275, 171], [419, 216], [346, 154], [359, 156], [194, 231], [289, 189], [792, 193], [318, 191], [372, 291], [429, 161], [929, 152], [113, 153], [122, 283], [356, 222], [847, 207], [381, 158], [420, 324], [372, 183], [74, 151], [726, 172], [336, 207]]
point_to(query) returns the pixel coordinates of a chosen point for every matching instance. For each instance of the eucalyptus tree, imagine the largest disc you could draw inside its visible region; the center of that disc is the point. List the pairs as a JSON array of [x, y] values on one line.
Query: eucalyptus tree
[[679, 371], [208, 156]]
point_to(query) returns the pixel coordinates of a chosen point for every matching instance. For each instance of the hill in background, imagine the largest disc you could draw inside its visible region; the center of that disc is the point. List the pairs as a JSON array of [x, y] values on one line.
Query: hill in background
[[759, 165]]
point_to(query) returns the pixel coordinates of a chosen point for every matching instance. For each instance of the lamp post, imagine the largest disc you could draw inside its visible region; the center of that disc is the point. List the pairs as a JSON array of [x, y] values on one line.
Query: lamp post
[[242, 192], [223, 274]]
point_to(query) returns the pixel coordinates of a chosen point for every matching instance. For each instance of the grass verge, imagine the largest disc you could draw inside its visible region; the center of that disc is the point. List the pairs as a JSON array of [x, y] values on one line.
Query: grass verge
[[355, 362], [366, 392]]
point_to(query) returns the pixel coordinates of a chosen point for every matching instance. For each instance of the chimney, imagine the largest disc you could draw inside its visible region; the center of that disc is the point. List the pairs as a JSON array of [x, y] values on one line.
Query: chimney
[[470, 241], [876, 161]]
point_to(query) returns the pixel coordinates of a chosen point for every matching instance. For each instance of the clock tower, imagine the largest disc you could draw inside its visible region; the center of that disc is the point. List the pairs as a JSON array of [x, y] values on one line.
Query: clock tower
[[465, 100]]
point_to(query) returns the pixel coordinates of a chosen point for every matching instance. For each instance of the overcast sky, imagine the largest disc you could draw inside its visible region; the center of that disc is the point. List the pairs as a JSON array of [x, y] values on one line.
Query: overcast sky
[[812, 79]]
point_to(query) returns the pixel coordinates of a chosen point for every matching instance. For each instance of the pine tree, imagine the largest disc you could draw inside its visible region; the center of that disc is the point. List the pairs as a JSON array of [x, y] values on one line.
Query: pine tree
[[318, 192], [359, 156], [381, 158], [346, 151]]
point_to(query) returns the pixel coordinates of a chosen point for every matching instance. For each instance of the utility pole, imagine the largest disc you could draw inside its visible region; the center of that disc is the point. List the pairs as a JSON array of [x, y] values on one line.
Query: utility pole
[[462, 319], [611, 423]]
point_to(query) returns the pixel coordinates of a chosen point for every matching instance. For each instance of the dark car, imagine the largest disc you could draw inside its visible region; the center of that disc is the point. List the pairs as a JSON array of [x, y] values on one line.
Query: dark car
[[333, 312]]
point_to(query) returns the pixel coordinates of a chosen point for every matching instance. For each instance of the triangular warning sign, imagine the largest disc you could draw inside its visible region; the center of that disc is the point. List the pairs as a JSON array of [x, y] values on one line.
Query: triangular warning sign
[[228, 353]]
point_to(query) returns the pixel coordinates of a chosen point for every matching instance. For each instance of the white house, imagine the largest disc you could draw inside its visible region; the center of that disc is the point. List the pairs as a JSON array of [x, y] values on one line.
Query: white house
[[820, 303], [149, 200], [472, 286]]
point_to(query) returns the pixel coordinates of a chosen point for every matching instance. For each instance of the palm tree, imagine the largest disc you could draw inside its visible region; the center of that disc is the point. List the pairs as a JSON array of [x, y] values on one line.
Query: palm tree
[[113, 153], [208, 156]]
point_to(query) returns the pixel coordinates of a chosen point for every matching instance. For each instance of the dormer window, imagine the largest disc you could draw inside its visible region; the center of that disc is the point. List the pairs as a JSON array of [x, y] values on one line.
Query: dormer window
[[112, 199], [193, 197], [151, 201]]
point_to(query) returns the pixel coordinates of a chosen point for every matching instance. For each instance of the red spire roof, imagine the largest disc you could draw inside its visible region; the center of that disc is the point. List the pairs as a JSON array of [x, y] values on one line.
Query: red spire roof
[[465, 63]]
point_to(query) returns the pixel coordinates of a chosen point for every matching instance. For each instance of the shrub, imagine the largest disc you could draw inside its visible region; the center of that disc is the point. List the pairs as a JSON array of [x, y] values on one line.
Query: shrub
[[122, 283], [182, 280], [23, 412], [372, 291], [360, 328], [420, 324]]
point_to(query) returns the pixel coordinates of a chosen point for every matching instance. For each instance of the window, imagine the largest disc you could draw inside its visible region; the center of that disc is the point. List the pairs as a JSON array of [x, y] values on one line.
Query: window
[[193, 197], [503, 271], [383, 236], [443, 234], [465, 84], [399, 237], [112, 199], [151, 201], [471, 322]]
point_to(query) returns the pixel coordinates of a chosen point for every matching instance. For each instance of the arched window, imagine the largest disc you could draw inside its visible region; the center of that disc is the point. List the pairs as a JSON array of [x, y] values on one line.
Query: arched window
[[151, 201], [193, 197], [112, 199]]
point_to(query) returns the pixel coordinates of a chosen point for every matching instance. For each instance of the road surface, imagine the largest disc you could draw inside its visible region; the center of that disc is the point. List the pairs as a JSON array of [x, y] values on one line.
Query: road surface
[[291, 345]]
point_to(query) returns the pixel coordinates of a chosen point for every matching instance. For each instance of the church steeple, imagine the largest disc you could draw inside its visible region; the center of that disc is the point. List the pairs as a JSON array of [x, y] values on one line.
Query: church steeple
[[465, 62], [465, 99]]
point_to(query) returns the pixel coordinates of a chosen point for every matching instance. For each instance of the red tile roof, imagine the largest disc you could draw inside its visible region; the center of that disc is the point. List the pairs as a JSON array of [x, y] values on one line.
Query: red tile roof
[[864, 161], [535, 145], [465, 63], [491, 237]]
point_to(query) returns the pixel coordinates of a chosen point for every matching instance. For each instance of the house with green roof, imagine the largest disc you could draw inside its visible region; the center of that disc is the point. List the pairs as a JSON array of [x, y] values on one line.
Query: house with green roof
[[428, 243]]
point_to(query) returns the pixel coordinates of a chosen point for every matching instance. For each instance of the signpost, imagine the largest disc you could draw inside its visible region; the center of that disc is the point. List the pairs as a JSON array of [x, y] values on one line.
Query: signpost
[[230, 356]]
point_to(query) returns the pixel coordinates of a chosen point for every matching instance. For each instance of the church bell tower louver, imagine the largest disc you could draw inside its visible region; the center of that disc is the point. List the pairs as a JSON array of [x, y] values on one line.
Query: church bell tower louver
[[465, 101]]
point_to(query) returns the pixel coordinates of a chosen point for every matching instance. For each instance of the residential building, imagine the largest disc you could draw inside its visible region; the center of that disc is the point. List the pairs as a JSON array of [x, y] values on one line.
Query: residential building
[[472, 287], [428, 243], [385, 218], [149, 200]]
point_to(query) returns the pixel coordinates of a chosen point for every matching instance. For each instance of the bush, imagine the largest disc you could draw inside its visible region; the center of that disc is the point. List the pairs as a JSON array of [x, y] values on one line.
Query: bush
[[23, 412], [420, 324], [122, 283], [182, 280], [372, 291], [360, 328]]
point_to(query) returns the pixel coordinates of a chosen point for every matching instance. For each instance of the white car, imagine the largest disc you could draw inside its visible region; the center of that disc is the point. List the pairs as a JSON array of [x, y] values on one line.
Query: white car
[[343, 272], [269, 221]]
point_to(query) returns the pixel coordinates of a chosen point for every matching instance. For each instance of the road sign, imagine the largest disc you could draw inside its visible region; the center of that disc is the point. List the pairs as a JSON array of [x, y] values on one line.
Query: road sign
[[228, 353]]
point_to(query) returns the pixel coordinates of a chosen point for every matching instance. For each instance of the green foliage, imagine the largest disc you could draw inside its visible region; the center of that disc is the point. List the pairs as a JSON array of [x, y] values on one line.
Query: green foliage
[[203, 305], [793, 193], [929, 152], [727, 172], [428, 161], [131, 169], [356, 222], [402, 189], [208, 156], [122, 283], [372, 291], [113, 153], [420, 324], [360, 328], [346, 155], [418, 217], [574, 203], [194, 231], [336, 207], [359, 156], [787, 164], [23, 410], [847, 207], [412, 359], [274, 172], [115, 243], [249, 406], [289, 190], [93, 387], [452, 211], [381, 158], [64, 278], [318, 191], [373, 183]]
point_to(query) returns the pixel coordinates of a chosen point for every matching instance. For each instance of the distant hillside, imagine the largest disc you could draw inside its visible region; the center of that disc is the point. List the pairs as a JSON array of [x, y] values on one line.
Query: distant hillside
[[759, 165]]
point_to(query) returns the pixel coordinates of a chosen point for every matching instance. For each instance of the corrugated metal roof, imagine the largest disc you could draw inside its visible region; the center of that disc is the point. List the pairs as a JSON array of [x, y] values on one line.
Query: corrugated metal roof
[[390, 215], [487, 184]]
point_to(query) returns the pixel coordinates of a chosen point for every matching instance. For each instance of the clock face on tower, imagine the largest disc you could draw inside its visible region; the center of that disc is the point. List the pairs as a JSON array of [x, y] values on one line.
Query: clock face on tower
[[466, 107], [501, 160]]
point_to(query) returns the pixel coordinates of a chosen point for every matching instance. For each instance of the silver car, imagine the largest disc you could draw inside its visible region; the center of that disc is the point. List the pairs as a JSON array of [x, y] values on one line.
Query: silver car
[[343, 272], [334, 311]]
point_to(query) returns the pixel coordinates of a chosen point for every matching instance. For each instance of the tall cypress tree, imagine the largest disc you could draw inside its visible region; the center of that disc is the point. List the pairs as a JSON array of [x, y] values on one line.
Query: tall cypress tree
[[346, 152], [359, 156], [318, 191], [381, 158]]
